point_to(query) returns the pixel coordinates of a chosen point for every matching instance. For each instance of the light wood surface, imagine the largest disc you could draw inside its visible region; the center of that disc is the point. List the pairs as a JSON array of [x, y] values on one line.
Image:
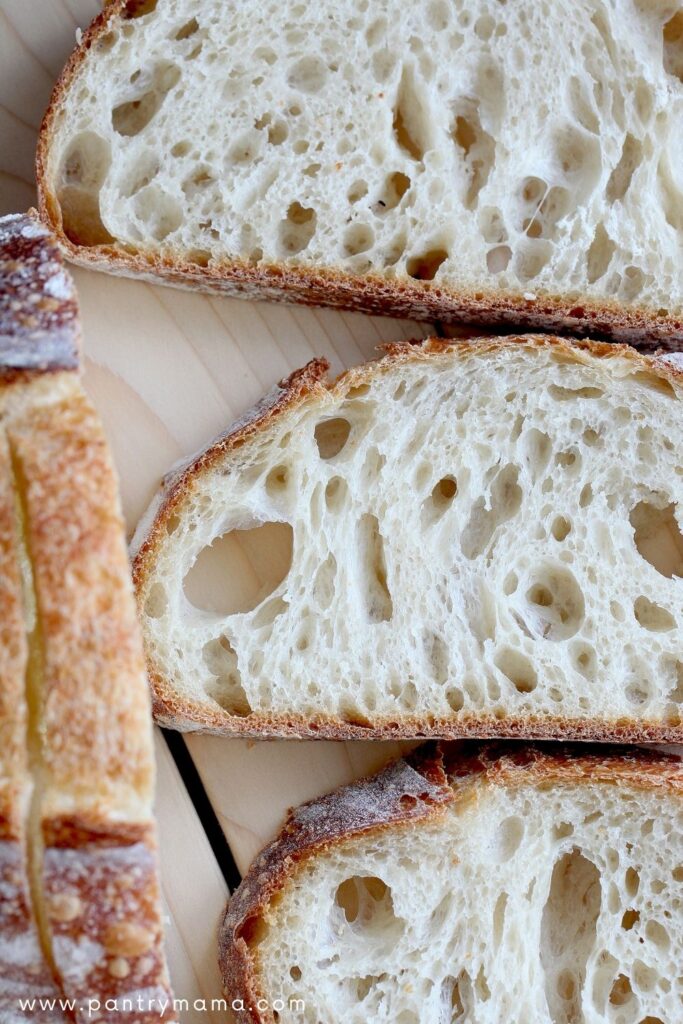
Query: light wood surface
[[168, 370]]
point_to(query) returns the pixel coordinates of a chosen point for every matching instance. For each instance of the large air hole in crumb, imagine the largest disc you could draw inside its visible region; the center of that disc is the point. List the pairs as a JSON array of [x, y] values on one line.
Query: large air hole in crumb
[[159, 212], [554, 606], [238, 571], [652, 616], [443, 493], [620, 178], [411, 117], [568, 934], [657, 537], [298, 228], [358, 238], [504, 503], [373, 570], [367, 905], [478, 148], [517, 668], [156, 602], [425, 267], [497, 259], [331, 436], [600, 253], [133, 116], [621, 992], [226, 685], [83, 170], [395, 187], [673, 45], [187, 30], [563, 394]]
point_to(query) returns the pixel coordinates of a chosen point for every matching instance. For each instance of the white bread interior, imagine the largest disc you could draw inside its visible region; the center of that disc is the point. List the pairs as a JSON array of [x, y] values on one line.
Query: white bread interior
[[489, 529], [515, 148], [528, 903]]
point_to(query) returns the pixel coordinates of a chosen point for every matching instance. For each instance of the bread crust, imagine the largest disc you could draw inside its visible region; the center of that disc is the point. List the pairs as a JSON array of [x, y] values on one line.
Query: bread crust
[[407, 794], [648, 328], [90, 827], [174, 711]]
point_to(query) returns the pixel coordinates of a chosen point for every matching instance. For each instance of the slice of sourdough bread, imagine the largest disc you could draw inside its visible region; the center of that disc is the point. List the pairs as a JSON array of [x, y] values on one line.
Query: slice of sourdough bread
[[448, 160], [80, 909], [489, 884], [471, 538]]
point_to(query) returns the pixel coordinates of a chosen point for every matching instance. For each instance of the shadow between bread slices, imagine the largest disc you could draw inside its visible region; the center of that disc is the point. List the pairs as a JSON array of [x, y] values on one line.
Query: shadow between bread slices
[[473, 538]]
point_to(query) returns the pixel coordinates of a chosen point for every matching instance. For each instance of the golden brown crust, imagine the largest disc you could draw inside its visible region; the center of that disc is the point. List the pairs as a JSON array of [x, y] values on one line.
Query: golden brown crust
[[648, 328], [96, 712], [91, 739], [406, 794], [176, 712]]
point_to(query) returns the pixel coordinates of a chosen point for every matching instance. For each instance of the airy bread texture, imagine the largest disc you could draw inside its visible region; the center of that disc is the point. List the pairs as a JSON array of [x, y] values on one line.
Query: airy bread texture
[[509, 886], [461, 538], [80, 914], [521, 158]]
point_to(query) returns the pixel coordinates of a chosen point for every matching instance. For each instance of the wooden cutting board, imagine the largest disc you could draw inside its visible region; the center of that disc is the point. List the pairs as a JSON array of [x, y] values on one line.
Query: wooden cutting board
[[168, 370]]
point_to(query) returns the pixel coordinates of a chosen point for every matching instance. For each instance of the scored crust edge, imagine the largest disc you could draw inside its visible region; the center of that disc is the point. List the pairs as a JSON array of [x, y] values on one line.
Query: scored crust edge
[[332, 286], [407, 793], [173, 711]]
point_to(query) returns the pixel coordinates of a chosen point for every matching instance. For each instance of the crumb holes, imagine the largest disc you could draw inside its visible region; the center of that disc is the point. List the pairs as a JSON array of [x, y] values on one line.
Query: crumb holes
[[425, 267], [554, 606], [517, 668], [246, 147], [673, 45], [478, 149], [658, 537], [295, 973], [584, 660], [561, 528], [373, 567], [568, 933], [357, 191], [656, 933], [621, 991], [455, 698], [181, 149], [586, 496], [443, 493], [132, 117], [159, 212], [235, 573], [562, 394], [277, 133], [508, 839], [652, 616], [331, 436], [226, 686], [308, 75], [411, 117], [395, 187], [277, 481], [298, 228], [366, 903], [84, 168], [510, 584], [497, 259], [188, 29], [358, 238], [599, 255], [659, 384], [336, 493], [629, 919], [504, 502], [620, 178]]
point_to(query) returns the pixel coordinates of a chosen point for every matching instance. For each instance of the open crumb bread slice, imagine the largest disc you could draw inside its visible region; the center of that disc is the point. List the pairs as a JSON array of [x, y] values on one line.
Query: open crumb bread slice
[[82, 919], [449, 160], [487, 884], [468, 538]]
